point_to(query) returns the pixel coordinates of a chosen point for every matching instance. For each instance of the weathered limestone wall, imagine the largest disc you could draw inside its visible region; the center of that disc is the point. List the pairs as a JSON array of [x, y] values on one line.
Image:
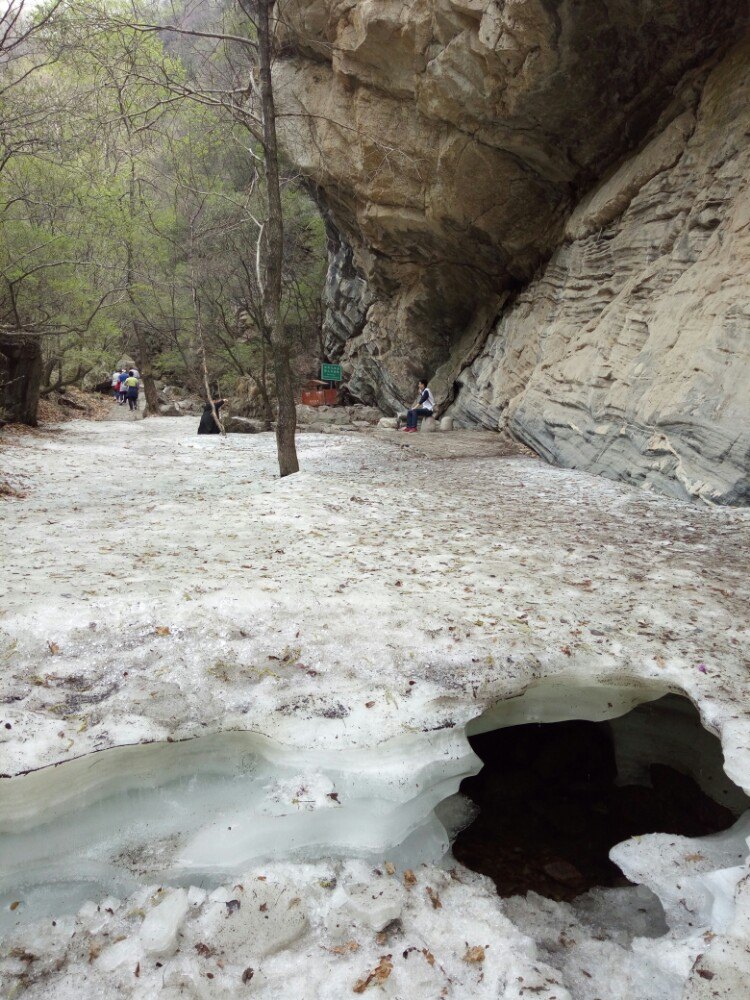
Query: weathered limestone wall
[[454, 145], [630, 354]]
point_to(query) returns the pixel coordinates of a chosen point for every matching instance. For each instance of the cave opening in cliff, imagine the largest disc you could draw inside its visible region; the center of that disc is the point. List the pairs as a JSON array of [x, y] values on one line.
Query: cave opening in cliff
[[554, 798]]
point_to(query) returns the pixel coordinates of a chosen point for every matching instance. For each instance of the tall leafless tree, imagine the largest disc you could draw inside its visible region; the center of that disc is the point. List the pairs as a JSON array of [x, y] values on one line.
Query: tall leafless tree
[[272, 256], [252, 105]]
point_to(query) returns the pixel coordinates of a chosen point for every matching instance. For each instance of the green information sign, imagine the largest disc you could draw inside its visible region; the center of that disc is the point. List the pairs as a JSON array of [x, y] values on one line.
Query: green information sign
[[330, 373]]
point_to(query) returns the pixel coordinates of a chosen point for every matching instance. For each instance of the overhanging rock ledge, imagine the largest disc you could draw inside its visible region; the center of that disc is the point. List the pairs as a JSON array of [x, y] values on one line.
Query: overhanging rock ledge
[[544, 208]]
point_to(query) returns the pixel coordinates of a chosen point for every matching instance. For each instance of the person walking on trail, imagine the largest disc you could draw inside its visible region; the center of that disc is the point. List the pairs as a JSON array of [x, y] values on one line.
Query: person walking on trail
[[424, 408], [115, 383], [131, 391], [208, 425], [121, 394]]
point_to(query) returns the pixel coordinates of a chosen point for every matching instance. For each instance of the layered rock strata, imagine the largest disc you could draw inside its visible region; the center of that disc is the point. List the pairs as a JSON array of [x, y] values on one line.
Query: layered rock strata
[[629, 354], [454, 146]]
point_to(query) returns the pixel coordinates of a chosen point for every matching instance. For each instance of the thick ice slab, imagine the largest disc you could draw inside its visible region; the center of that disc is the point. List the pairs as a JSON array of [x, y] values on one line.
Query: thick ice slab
[[203, 810]]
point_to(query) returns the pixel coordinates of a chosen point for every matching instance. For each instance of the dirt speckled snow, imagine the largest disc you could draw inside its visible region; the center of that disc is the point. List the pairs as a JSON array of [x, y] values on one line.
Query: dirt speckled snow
[[346, 625]]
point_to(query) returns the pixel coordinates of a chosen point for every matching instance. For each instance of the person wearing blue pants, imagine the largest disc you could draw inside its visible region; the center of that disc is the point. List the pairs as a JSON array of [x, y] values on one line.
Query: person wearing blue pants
[[424, 408], [131, 391]]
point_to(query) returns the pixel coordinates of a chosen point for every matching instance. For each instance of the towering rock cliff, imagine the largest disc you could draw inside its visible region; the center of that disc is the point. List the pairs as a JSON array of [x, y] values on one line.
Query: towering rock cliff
[[543, 204]]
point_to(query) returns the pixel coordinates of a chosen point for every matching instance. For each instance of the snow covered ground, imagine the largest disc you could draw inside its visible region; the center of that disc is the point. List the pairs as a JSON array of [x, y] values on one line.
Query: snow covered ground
[[329, 637]]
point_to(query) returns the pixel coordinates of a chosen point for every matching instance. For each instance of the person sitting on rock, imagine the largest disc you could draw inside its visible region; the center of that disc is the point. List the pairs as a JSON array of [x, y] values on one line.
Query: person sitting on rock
[[424, 408]]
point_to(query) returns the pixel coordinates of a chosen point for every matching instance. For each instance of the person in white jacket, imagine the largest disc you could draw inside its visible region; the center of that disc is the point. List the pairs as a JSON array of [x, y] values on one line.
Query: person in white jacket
[[425, 407]]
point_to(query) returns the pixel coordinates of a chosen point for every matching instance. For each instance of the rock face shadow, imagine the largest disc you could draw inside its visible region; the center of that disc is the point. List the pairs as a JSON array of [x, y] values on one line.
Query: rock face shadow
[[555, 798]]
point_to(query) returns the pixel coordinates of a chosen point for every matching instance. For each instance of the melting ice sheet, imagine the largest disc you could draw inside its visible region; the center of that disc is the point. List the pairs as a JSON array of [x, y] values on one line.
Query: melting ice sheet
[[201, 811]]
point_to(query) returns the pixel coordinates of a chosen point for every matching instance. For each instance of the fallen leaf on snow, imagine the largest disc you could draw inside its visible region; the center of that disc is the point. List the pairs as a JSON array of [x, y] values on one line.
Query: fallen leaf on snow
[[378, 975], [474, 954], [434, 898], [343, 949]]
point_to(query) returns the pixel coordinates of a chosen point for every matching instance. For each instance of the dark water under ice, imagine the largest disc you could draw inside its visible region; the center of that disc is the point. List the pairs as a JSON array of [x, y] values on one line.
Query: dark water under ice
[[554, 798]]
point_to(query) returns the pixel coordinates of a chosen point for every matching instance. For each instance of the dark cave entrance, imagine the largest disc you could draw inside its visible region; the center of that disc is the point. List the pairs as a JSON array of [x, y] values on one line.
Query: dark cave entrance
[[553, 798]]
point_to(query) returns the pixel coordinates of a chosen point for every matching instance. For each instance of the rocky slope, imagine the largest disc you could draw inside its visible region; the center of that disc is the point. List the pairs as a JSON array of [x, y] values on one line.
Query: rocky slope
[[542, 204], [629, 354]]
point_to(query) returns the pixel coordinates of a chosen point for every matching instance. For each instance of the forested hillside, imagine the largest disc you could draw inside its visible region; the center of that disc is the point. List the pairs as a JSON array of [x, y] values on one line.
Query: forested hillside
[[131, 205]]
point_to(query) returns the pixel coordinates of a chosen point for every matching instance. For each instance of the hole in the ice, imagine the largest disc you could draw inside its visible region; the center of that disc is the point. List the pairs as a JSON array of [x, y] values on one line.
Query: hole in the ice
[[554, 798]]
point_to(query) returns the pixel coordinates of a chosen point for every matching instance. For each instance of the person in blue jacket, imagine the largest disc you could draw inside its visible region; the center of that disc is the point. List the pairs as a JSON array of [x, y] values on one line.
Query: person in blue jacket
[[121, 394]]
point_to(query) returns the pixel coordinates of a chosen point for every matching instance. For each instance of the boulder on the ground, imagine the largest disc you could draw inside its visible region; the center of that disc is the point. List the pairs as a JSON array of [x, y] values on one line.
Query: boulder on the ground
[[172, 392], [367, 414], [322, 415], [338, 416], [191, 404], [245, 425], [388, 423], [428, 425]]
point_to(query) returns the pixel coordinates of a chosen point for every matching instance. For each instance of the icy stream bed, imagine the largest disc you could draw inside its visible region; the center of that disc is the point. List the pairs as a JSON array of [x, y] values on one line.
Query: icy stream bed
[[203, 811], [302, 661]]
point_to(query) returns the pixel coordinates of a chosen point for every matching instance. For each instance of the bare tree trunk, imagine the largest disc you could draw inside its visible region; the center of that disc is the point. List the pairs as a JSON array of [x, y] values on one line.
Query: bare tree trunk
[[273, 246], [147, 374], [263, 384], [48, 368], [20, 391]]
